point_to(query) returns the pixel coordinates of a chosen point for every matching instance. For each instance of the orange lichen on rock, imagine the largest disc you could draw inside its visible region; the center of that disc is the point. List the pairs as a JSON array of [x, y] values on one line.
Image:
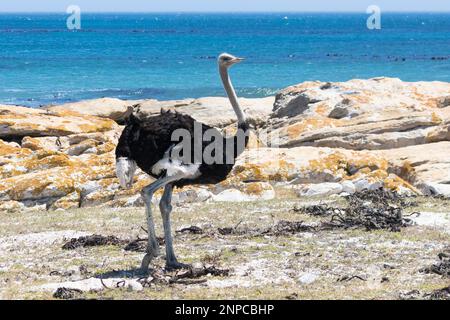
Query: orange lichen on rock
[[19, 121], [375, 175], [436, 119], [105, 147], [322, 109], [70, 201], [100, 125], [35, 163], [395, 183], [362, 98], [51, 161], [349, 166], [333, 162], [38, 185], [8, 150], [32, 143], [304, 125], [254, 188], [270, 170], [407, 172]]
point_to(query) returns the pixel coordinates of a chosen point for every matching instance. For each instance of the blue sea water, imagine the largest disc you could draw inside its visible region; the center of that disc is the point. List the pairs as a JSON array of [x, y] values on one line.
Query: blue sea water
[[173, 56]]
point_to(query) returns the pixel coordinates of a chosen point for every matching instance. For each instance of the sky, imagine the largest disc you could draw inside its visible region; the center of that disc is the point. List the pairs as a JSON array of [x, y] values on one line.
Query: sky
[[221, 5]]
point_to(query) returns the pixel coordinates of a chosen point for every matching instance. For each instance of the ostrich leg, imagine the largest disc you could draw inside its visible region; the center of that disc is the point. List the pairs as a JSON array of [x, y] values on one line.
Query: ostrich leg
[[147, 195], [152, 244], [166, 208]]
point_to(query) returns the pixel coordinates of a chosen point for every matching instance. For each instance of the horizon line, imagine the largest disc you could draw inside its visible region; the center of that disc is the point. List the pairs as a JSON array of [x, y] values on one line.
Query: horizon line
[[229, 11]]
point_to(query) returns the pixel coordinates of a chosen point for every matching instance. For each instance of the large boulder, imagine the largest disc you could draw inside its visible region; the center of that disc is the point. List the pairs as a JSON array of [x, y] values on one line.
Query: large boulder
[[380, 113], [17, 122], [422, 164], [61, 180], [213, 111], [412, 167], [110, 108], [434, 189]]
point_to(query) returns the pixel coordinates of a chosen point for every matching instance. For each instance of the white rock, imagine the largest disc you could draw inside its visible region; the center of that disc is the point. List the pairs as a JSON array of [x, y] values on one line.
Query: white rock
[[135, 286], [436, 189], [11, 206], [348, 187], [364, 184], [192, 195], [433, 219], [234, 195], [203, 195], [36, 208], [14, 144], [322, 189], [308, 278], [401, 190], [230, 195], [361, 185], [89, 187], [134, 201]]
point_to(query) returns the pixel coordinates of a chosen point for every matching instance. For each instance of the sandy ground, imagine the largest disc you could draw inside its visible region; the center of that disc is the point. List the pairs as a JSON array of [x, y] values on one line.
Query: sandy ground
[[338, 264]]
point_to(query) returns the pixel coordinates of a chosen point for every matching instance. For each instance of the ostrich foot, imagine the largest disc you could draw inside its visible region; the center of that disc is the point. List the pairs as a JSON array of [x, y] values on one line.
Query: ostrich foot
[[175, 265], [148, 259], [146, 262]]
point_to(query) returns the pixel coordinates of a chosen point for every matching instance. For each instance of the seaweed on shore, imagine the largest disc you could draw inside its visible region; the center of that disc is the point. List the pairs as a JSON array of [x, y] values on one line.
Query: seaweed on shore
[[186, 276], [194, 273], [372, 210], [136, 245], [92, 241], [283, 227], [67, 293], [383, 197], [140, 245], [318, 210], [440, 294], [441, 268], [288, 227], [191, 230]]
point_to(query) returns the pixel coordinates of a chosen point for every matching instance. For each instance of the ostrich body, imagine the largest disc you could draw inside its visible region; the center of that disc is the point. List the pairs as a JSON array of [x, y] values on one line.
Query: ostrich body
[[149, 144]]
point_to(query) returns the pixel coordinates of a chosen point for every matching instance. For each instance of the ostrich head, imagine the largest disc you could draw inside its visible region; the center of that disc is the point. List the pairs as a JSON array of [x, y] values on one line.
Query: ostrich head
[[227, 60], [125, 169]]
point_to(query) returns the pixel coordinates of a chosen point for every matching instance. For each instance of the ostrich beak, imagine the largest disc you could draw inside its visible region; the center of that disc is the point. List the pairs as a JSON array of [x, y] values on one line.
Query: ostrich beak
[[237, 60]]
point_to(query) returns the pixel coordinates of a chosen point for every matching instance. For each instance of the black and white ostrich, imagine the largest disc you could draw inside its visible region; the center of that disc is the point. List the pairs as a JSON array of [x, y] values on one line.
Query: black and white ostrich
[[149, 144]]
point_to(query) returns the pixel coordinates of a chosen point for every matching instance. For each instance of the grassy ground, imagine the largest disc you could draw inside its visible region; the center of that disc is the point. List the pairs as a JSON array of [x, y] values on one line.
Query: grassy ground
[[304, 265]]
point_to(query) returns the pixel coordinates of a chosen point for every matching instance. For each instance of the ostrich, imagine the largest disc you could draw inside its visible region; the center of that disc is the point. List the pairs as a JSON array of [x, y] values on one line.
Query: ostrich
[[149, 144]]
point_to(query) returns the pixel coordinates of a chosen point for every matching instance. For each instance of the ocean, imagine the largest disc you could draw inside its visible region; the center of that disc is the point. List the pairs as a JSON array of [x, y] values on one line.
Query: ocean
[[173, 56]]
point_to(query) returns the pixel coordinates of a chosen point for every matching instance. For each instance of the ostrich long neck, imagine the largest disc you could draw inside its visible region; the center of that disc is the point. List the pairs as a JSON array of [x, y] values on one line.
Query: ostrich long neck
[[232, 95]]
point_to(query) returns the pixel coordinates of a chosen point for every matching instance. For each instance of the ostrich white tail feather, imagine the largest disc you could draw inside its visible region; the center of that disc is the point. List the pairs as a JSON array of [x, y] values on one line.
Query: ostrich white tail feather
[[125, 169]]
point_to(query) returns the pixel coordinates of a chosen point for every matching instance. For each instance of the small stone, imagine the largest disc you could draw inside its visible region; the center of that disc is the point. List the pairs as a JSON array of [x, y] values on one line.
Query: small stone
[[364, 184], [134, 286], [348, 187], [197, 265], [322, 189], [436, 189], [308, 278]]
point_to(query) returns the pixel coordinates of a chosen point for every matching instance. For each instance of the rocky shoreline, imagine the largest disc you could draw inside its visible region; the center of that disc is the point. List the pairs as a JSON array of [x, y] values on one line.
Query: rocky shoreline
[[315, 138]]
